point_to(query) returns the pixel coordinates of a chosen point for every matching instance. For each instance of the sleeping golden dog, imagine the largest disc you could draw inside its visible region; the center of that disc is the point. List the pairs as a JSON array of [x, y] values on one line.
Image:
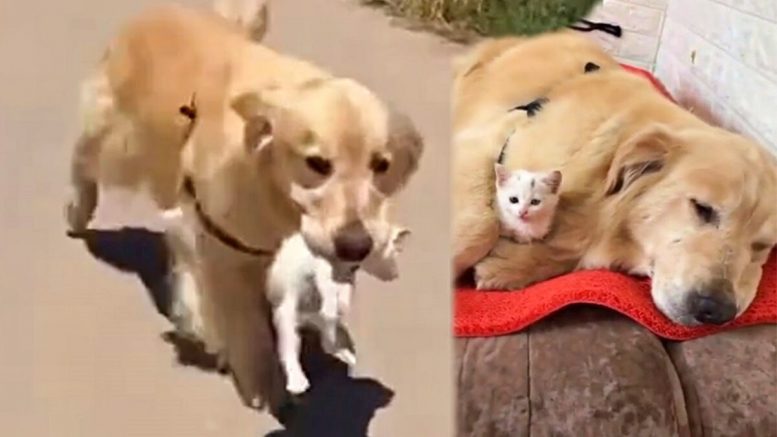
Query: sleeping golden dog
[[266, 145], [648, 187]]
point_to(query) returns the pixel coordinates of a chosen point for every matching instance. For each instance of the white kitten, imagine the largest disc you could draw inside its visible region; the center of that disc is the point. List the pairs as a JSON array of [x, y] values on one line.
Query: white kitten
[[298, 280], [526, 202]]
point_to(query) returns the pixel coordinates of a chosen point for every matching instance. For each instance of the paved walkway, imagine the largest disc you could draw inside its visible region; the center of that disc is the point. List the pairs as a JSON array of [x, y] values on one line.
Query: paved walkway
[[80, 352]]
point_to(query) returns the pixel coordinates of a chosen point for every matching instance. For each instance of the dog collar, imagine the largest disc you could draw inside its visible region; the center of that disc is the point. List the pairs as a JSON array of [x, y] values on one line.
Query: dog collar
[[531, 109], [210, 227], [216, 231]]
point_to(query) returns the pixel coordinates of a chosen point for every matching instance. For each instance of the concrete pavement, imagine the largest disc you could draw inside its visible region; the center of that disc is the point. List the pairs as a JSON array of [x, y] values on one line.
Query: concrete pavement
[[80, 353]]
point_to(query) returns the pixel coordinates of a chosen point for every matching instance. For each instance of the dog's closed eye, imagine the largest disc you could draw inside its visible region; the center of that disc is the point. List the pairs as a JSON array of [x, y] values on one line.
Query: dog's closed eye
[[705, 212], [759, 246]]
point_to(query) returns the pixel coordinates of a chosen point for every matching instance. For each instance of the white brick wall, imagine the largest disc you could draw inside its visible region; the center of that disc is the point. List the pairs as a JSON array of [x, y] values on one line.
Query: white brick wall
[[642, 22], [717, 57]]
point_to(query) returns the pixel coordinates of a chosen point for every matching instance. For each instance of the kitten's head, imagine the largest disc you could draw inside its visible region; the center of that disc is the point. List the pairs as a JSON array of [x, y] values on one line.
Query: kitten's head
[[524, 194], [382, 262]]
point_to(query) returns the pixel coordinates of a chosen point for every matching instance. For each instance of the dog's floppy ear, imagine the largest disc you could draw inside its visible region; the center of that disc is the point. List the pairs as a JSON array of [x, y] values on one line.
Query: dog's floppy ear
[[645, 152], [406, 147], [259, 129]]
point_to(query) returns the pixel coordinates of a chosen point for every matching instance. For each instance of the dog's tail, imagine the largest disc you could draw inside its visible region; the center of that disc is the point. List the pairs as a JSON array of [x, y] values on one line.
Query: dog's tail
[[250, 15]]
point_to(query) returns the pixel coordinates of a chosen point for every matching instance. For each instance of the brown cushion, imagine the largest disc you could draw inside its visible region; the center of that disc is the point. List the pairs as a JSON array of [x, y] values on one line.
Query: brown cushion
[[583, 371], [730, 381]]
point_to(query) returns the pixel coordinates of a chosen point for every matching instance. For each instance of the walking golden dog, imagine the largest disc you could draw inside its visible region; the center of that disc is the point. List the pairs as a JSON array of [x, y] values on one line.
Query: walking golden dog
[[267, 145]]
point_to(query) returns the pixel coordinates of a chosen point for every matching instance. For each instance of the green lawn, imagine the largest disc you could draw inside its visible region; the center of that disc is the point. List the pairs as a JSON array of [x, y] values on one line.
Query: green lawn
[[463, 19]]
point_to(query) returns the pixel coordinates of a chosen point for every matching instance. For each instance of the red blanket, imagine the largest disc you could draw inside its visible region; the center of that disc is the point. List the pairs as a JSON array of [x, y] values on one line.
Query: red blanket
[[488, 313]]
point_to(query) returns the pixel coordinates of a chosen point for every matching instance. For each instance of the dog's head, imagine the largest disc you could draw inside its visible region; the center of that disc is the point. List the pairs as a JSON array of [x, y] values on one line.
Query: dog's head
[[339, 154], [701, 206]]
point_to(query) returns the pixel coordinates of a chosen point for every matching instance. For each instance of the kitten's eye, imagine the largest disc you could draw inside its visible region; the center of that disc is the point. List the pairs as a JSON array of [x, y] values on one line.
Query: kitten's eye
[[706, 213], [319, 165], [379, 164], [535, 202], [759, 246], [513, 199]]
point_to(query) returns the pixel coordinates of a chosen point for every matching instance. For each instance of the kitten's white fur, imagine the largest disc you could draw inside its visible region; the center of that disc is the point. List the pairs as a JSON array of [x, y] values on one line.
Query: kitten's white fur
[[298, 277], [515, 191]]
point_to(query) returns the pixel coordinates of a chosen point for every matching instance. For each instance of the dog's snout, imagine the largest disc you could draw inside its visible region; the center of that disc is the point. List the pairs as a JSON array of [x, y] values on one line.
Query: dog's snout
[[714, 304], [352, 242]]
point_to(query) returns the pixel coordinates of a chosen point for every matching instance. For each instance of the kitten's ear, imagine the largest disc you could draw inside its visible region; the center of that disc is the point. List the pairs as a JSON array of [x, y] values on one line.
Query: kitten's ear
[[502, 174], [399, 237], [553, 179]]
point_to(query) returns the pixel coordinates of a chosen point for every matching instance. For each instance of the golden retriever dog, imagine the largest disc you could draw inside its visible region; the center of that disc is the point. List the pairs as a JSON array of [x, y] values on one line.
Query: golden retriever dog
[[187, 109], [648, 188]]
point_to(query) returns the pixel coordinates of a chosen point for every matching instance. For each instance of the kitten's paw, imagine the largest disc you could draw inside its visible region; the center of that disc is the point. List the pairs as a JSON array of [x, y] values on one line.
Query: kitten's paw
[[343, 308], [297, 383], [346, 356]]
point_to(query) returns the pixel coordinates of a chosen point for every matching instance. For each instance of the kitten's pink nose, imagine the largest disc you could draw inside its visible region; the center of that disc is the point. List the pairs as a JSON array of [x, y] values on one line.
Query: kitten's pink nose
[[523, 214]]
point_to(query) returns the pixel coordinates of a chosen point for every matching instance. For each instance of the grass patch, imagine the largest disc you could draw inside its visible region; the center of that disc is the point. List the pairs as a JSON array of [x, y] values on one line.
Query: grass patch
[[468, 19]]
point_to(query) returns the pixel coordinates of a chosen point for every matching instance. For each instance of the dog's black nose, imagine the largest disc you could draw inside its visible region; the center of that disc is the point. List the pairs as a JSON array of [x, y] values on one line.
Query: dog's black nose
[[715, 306], [352, 242]]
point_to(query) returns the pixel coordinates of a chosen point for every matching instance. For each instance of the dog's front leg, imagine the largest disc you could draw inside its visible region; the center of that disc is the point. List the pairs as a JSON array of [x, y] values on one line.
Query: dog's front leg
[[475, 223], [512, 266], [475, 231], [97, 109], [244, 322], [83, 196]]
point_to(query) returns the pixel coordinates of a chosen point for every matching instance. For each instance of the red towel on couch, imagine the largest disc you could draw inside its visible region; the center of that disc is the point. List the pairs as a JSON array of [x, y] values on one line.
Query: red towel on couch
[[489, 313]]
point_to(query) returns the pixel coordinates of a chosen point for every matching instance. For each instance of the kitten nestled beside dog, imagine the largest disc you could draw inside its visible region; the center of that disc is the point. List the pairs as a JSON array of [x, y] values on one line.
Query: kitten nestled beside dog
[[526, 202]]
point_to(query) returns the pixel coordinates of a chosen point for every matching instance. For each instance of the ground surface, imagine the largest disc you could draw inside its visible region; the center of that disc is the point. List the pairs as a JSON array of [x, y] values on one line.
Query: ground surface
[[81, 354]]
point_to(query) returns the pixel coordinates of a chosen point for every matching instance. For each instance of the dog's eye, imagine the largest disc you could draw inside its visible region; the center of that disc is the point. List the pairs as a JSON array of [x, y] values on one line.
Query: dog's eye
[[706, 213], [319, 165], [513, 199], [379, 164], [759, 246], [535, 202]]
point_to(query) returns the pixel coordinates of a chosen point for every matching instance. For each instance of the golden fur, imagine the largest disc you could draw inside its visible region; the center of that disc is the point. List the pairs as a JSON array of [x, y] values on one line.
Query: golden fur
[[633, 164], [261, 117]]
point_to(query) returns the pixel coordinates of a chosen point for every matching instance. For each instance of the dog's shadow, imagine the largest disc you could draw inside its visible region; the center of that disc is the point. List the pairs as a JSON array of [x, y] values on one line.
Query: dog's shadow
[[336, 405], [138, 251]]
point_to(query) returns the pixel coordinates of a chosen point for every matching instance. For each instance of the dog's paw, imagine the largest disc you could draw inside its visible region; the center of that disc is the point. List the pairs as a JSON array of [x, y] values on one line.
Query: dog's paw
[[297, 383], [346, 356], [487, 277], [77, 215]]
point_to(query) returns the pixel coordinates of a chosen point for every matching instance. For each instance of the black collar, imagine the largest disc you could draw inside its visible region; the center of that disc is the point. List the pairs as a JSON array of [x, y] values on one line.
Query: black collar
[[190, 111], [531, 109], [217, 231]]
